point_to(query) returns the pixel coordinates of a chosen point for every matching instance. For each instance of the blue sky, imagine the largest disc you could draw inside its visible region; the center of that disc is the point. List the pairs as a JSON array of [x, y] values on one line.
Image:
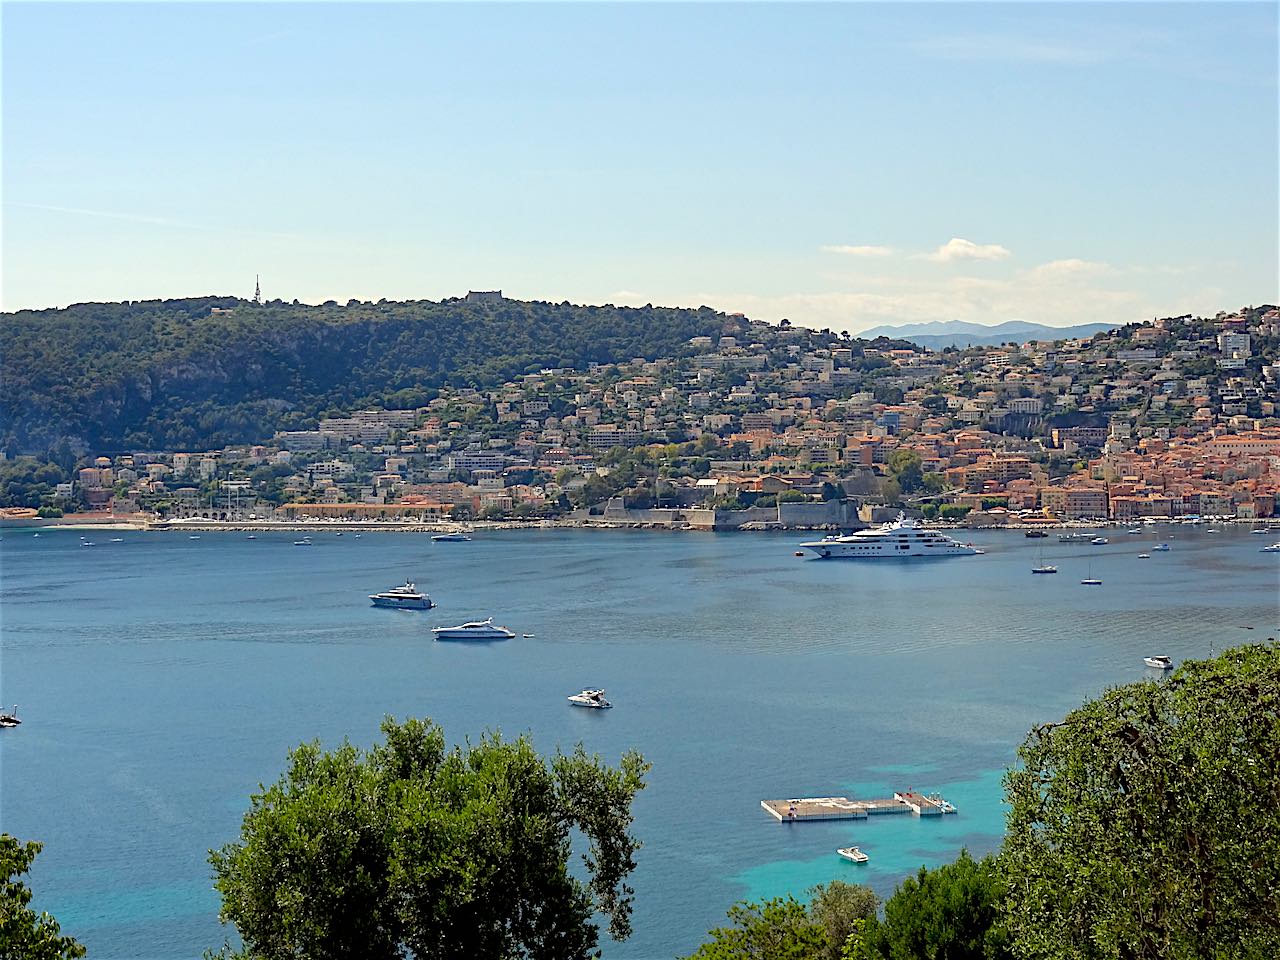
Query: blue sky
[[842, 165]]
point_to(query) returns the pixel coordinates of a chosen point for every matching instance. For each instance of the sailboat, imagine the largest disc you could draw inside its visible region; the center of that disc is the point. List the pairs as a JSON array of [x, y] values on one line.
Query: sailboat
[[1041, 566], [1090, 580]]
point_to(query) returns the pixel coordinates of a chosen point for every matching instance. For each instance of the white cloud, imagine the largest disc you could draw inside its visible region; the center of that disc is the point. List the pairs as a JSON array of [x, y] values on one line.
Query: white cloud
[[958, 249], [1072, 267], [859, 251]]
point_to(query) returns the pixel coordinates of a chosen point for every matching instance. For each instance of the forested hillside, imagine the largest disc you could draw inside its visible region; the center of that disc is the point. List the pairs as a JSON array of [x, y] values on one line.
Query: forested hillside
[[173, 374]]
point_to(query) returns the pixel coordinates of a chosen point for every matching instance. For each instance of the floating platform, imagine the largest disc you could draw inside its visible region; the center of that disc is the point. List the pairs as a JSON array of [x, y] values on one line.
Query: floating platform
[[846, 808]]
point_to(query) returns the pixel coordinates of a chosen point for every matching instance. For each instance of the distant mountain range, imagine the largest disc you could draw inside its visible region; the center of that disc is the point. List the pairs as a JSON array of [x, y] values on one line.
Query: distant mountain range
[[959, 333]]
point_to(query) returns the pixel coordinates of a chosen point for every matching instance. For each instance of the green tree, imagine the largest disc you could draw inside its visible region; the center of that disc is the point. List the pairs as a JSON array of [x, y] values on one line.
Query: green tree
[[778, 929], [1147, 823], [905, 467], [840, 908], [950, 913], [413, 849], [25, 934]]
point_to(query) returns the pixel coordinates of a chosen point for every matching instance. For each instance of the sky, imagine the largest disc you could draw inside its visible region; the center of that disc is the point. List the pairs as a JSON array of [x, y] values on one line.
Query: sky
[[840, 165]]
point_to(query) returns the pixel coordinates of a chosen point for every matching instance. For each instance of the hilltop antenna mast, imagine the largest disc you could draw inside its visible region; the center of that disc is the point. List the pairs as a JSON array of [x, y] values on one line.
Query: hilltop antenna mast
[[257, 290]]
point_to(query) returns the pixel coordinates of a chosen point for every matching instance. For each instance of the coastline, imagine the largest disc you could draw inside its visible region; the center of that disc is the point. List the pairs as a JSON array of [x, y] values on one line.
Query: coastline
[[201, 525]]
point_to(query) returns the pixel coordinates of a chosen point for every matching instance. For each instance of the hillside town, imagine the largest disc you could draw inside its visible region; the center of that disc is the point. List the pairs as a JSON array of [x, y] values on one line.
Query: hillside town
[[773, 425]]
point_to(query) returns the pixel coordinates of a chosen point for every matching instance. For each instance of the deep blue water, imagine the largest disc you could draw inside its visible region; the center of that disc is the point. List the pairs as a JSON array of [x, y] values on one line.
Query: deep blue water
[[161, 679]]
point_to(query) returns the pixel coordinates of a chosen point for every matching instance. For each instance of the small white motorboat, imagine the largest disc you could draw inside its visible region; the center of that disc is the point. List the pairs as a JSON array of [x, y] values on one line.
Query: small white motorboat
[[456, 537], [1160, 663], [193, 537], [1091, 582], [117, 540], [1144, 556], [304, 542], [1135, 530], [1162, 547], [592, 699], [475, 630], [1272, 548], [853, 854], [1046, 568], [1099, 541]]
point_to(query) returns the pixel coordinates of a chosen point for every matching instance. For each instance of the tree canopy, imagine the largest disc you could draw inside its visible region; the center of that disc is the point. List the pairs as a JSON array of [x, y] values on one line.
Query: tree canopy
[[1147, 823], [25, 934], [414, 849], [785, 929], [949, 913]]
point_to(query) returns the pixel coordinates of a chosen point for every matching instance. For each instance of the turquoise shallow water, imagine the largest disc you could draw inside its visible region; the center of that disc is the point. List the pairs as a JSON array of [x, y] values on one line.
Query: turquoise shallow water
[[160, 679]]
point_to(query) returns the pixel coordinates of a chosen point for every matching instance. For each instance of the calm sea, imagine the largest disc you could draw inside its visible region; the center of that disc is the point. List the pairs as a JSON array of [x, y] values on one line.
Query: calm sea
[[160, 679]]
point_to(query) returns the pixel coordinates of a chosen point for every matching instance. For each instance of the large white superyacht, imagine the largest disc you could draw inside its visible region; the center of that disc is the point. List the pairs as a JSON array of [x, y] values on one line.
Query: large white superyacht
[[903, 537]]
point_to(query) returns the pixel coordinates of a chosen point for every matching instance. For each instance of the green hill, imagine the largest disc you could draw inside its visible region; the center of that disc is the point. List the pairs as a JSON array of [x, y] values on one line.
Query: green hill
[[172, 374]]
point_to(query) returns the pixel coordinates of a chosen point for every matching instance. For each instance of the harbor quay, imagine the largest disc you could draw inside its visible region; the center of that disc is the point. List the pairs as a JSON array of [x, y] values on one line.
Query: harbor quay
[[845, 808]]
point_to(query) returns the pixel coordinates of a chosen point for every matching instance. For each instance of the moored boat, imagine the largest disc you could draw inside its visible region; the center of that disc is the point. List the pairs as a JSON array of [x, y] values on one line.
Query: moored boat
[[10, 719], [1162, 547], [1045, 568], [1159, 662], [852, 854], [456, 536], [475, 630], [407, 597], [592, 699], [902, 538]]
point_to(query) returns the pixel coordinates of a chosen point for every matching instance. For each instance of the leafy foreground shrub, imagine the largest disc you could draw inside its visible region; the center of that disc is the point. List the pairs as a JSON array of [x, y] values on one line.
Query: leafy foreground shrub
[[784, 929], [25, 934], [412, 849], [1147, 823], [951, 913]]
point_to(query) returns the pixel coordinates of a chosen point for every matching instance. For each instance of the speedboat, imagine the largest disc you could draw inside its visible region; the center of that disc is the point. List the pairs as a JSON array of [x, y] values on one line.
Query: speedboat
[[251, 537], [475, 630], [116, 540], [853, 854], [1262, 530], [193, 537], [1160, 663], [406, 597], [593, 699], [304, 542], [1272, 548], [1144, 556], [456, 537], [1162, 547], [10, 719], [1135, 530], [1099, 541], [900, 539], [1046, 568]]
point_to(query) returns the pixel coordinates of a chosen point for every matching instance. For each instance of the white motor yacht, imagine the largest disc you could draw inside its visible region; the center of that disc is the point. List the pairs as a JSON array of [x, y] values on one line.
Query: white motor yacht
[[1045, 568], [1099, 541], [456, 537], [901, 538], [853, 854], [593, 699], [304, 542], [407, 597], [475, 630], [1160, 663], [1272, 548]]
